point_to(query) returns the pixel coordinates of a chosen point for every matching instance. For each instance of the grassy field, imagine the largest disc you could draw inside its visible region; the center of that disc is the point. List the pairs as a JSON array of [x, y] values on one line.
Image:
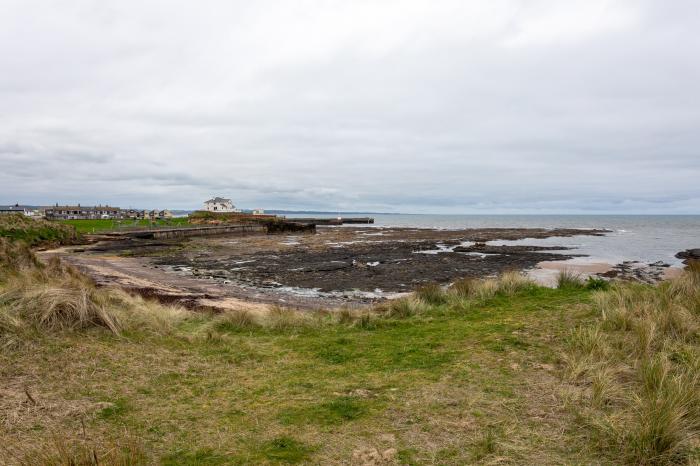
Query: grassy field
[[96, 226], [487, 372]]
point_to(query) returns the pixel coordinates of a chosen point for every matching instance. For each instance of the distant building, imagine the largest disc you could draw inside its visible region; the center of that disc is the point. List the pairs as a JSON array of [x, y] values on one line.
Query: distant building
[[165, 214], [258, 211], [17, 209], [219, 204], [78, 212], [134, 214]]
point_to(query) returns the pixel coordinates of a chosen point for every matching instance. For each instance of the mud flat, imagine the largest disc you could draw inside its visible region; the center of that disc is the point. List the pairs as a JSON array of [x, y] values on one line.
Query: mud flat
[[337, 266]]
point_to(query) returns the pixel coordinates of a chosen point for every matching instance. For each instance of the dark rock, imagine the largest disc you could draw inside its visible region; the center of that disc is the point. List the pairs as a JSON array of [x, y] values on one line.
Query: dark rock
[[689, 255], [524, 249]]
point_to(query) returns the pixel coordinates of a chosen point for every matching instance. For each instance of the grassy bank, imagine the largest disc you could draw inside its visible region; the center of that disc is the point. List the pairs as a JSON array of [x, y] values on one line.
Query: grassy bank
[[496, 371], [35, 232], [99, 225]]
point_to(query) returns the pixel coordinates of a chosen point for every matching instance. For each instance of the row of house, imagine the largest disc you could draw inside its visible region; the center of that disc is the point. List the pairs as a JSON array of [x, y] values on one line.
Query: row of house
[[81, 212], [78, 212]]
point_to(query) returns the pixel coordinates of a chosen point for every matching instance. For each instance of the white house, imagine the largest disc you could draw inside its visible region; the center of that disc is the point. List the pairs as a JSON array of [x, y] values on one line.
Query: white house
[[258, 211], [219, 204]]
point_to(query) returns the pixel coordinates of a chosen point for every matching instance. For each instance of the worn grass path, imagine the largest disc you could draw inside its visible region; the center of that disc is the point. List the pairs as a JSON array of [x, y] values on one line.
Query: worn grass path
[[454, 385]]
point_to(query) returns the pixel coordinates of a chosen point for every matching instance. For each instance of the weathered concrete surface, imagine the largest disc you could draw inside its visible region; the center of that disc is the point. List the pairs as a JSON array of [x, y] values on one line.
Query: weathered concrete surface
[[170, 233]]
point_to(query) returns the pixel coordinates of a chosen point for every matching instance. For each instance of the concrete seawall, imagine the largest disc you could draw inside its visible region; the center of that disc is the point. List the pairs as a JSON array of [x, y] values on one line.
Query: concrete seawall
[[170, 233]]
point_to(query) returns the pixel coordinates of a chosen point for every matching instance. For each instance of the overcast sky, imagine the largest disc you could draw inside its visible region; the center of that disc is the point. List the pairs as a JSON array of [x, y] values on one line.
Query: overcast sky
[[492, 106]]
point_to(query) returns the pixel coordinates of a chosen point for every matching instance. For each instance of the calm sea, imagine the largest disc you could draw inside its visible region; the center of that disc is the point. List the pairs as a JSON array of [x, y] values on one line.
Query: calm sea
[[645, 238]]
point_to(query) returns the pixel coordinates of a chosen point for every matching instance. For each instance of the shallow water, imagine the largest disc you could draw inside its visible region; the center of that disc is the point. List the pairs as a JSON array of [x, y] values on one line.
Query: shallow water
[[645, 238]]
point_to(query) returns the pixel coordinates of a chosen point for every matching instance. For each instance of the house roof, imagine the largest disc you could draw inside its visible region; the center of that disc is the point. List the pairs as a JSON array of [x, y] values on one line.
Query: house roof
[[217, 200], [82, 207], [14, 208]]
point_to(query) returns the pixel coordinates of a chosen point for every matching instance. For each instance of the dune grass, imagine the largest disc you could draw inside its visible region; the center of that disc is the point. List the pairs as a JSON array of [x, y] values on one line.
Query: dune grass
[[36, 231], [483, 371], [38, 298], [640, 363]]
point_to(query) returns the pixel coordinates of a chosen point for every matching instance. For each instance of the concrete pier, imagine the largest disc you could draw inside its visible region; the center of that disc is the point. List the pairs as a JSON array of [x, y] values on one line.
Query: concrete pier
[[332, 221]]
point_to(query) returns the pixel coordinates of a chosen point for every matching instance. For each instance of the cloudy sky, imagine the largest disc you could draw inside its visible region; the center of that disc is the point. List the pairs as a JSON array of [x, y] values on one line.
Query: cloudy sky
[[491, 106]]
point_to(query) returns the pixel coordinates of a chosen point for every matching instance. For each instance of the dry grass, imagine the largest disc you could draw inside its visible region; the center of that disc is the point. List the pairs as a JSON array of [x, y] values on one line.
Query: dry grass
[[61, 451], [506, 284], [54, 297], [641, 361]]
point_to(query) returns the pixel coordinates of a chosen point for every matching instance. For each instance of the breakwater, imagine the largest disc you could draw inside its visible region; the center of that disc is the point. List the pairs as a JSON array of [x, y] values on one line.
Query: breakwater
[[333, 221]]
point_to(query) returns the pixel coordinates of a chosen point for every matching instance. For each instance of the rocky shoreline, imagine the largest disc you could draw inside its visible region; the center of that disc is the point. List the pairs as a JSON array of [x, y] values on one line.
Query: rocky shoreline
[[334, 267]]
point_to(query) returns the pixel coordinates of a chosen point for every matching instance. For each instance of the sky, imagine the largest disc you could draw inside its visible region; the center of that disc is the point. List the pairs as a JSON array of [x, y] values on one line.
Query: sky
[[421, 106]]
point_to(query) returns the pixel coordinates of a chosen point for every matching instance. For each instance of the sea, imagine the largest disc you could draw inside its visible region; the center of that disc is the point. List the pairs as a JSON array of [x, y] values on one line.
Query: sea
[[642, 238]]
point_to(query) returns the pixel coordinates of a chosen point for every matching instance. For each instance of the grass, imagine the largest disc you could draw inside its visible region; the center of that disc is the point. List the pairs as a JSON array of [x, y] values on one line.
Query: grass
[[100, 225], [35, 232], [641, 359], [471, 373]]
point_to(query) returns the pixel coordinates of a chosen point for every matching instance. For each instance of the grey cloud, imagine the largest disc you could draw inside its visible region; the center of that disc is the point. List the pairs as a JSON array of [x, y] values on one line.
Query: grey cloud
[[450, 107]]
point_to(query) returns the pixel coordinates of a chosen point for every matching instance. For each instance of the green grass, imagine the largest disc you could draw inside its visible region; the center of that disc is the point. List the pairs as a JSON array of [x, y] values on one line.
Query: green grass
[[320, 392], [101, 225], [485, 372]]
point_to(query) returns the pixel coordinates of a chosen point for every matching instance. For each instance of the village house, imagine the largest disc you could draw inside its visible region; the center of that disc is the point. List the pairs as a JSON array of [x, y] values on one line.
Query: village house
[[134, 214], [258, 211], [17, 209], [220, 204], [78, 212]]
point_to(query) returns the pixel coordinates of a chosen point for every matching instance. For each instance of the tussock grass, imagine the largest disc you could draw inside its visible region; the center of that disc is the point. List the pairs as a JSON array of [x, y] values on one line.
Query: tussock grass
[[234, 321], [569, 279], [640, 359], [431, 293], [275, 318], [401, 308], [506, 284], [55, 297]]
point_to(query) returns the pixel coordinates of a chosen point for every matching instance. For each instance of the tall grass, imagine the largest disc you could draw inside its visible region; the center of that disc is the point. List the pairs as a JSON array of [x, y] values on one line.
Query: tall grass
[[641, 360], [38, 298], [566, 279], [507, 284]]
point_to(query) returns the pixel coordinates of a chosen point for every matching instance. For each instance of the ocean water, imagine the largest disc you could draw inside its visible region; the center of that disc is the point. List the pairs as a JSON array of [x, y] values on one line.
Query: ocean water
[[644, 238]]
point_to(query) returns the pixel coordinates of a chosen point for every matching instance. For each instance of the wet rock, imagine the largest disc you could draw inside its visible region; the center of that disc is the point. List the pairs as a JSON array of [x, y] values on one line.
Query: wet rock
[[637, 272], [689, 255], [524, 249]]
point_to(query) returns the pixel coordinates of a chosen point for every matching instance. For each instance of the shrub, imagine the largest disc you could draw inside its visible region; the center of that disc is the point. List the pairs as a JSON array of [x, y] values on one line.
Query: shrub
[[597, 284]]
